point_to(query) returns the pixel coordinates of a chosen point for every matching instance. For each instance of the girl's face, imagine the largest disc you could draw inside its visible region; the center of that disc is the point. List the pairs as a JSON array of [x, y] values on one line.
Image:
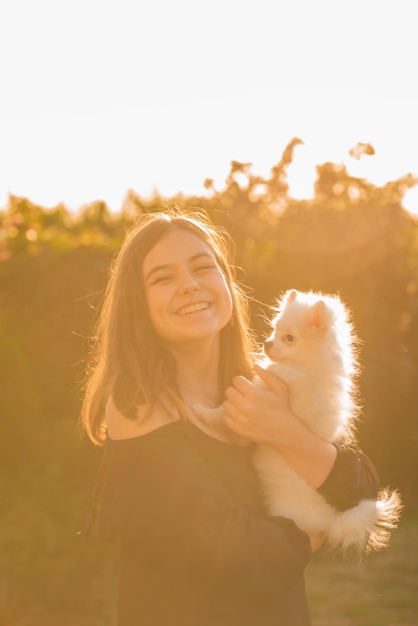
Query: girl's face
[[186, 291]]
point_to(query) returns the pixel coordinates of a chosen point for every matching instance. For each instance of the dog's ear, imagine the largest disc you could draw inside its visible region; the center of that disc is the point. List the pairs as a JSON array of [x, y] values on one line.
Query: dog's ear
[[286, 298], [317, 316], [291, 295]]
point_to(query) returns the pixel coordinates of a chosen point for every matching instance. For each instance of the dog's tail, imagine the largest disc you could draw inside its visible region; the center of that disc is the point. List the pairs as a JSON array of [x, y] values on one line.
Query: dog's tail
[[388, 510], [367, 526]]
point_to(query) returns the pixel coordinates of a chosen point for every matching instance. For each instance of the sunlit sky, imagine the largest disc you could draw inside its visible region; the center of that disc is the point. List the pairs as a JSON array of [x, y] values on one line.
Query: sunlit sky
[[99, 97]]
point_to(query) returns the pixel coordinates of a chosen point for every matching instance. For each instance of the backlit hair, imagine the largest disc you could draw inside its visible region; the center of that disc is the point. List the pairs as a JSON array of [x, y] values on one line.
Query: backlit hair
[[128, 361]]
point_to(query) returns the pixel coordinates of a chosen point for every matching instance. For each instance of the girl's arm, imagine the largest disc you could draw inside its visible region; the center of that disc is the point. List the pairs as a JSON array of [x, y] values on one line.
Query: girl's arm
[[344, 476]]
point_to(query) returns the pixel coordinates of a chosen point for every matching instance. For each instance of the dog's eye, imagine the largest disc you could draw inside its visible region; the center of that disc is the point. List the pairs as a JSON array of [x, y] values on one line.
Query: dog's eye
[[289, 338]]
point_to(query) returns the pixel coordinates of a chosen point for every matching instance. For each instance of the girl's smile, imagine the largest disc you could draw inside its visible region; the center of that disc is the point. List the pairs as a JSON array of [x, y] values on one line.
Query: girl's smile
[[194, 308]]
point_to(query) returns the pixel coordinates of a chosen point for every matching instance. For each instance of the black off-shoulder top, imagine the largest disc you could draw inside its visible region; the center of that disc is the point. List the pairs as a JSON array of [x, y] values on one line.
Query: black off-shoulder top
[[196, 546]]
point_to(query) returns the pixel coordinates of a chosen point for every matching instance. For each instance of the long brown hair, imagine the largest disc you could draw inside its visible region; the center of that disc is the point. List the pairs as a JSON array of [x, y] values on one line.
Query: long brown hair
[[127, 361]]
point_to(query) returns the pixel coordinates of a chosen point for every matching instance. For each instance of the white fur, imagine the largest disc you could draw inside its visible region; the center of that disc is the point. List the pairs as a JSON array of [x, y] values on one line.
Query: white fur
[[313, 350]]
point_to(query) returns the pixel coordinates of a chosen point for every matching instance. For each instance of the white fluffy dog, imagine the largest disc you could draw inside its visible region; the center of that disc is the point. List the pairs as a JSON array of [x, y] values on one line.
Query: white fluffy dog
[[312, 349]]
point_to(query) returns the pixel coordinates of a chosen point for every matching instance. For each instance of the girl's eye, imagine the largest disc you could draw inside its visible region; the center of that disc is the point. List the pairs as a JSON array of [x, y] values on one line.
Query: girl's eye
[[204, 268], [161, 279]]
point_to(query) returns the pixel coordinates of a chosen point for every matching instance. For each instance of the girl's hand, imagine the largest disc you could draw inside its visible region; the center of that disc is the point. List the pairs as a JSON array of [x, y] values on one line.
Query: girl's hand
[[261, 412], [263, 415], [316, 541]]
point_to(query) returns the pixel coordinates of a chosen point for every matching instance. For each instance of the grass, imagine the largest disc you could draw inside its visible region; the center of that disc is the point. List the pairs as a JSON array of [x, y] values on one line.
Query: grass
[[380, 591]]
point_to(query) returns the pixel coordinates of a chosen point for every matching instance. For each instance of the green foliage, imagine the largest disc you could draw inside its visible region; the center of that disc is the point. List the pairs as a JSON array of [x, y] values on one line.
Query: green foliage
[[379, 590], [352, 237]]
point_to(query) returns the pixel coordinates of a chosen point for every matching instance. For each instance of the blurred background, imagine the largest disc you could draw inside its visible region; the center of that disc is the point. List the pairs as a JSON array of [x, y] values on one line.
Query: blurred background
[[294, 126]]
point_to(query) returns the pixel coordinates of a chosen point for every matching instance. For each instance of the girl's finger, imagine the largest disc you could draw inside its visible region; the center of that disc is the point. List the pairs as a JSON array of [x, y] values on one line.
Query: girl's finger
[[274, 383], [242, 384], [236, 398], [231, 422], [230, 409]]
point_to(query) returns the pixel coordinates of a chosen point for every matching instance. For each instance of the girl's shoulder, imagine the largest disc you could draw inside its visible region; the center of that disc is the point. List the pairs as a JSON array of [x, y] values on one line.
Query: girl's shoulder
[[121, 427]]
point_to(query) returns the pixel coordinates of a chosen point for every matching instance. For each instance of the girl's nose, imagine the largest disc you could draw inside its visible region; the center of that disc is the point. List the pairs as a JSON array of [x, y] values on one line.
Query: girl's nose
[[189, 285]]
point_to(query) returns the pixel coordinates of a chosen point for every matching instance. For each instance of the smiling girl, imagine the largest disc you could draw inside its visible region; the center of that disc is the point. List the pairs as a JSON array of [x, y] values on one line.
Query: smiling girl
[[196, 547]]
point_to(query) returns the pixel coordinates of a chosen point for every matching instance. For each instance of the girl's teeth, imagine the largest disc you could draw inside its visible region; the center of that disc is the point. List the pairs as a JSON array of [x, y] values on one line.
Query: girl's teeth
[[193, 308]]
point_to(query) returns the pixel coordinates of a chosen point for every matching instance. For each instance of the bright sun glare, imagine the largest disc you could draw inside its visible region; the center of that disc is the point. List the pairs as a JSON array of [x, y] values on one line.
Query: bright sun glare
[[101, 98]]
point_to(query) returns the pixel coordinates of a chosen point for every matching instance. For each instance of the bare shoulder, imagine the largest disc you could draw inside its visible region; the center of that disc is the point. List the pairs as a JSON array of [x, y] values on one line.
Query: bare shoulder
[[121, 427]]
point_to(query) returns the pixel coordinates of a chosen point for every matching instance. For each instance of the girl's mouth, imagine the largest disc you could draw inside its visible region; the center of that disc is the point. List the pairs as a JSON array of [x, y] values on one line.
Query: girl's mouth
[[193, 308]]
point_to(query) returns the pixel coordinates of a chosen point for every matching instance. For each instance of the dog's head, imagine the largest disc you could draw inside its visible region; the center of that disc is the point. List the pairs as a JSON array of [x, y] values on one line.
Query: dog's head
[[300, 323]]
